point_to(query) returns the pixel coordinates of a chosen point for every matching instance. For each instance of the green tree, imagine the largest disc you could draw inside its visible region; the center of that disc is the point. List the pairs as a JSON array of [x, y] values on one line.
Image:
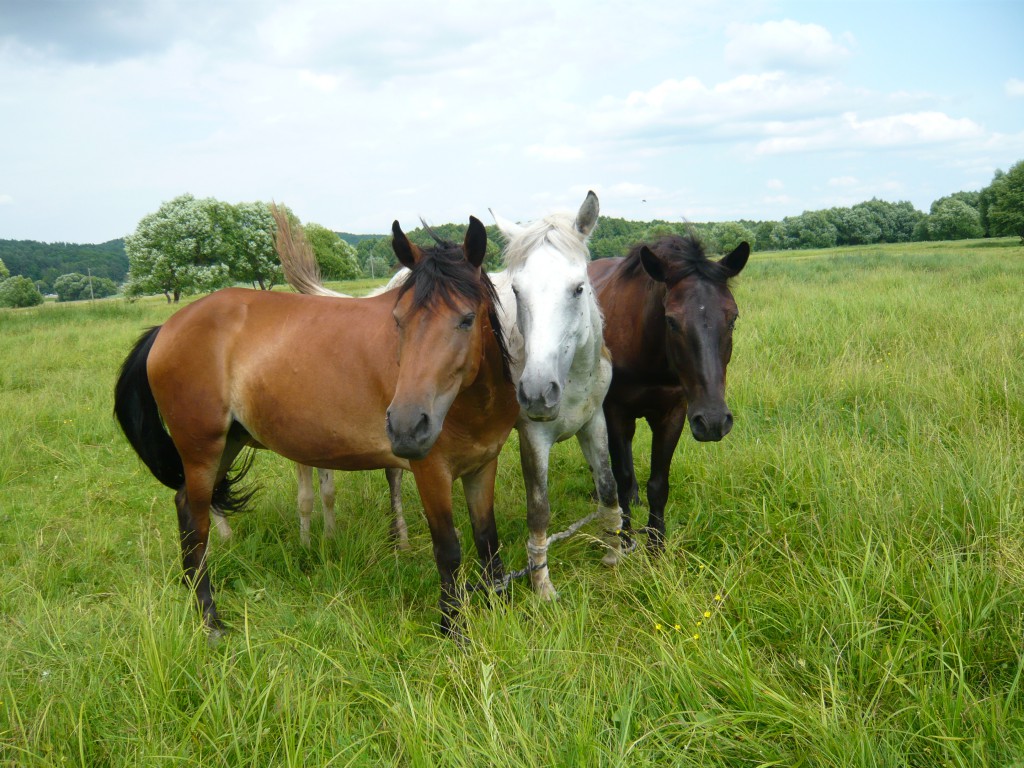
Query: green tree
[[376, 257], [76, 286], [248, 232], [336, 258], [178, 250], [4, 271], [951, 219], [725, 236], [19, 291], [1005, 203]]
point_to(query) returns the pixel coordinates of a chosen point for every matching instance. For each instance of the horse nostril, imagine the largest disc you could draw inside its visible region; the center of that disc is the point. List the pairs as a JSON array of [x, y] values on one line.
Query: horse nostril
[[699, 424], [552, 394], [422, 427], [727, 424]]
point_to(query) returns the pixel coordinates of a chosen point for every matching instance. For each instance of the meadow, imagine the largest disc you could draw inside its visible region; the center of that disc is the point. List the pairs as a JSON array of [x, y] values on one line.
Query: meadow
[[843, 583]]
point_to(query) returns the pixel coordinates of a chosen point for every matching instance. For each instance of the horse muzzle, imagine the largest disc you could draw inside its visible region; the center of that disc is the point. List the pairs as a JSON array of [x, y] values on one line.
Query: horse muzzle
[[412, 433], [540, 402], [710, 425]]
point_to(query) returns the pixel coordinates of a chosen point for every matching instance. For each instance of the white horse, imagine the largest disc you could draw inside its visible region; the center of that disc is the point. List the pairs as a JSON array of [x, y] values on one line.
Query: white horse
[[562, 369]]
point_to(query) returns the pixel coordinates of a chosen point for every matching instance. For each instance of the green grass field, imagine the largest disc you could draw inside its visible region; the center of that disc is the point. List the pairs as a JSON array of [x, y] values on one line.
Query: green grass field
[[843, 583]]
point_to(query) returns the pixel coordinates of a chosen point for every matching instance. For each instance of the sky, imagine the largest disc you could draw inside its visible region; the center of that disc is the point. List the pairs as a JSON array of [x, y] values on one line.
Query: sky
[[357, 114]]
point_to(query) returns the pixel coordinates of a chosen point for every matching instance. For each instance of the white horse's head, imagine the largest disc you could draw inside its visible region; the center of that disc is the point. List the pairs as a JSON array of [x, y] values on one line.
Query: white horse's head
[[556, 311]]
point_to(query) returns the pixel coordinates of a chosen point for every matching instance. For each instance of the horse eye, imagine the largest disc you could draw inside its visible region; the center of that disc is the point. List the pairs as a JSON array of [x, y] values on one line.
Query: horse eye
[[467, 322], [732, 323], [673, 324], [579, 289]]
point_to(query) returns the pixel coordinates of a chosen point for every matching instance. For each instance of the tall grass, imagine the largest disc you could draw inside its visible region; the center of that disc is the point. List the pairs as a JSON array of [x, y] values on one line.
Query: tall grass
[[843, 583]]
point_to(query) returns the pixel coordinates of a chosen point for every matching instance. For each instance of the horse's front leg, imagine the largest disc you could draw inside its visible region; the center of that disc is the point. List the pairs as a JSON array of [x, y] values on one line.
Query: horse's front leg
[[479, 488], [534, 452], [665, 434], [434, 484], [593, 439]]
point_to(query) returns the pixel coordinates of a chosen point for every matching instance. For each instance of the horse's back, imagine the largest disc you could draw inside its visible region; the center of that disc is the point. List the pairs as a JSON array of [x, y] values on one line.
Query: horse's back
[[307, 377]]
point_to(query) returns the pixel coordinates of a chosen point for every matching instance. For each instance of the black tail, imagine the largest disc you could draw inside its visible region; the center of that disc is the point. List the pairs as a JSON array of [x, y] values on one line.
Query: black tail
[[140, 419], [137, 412]]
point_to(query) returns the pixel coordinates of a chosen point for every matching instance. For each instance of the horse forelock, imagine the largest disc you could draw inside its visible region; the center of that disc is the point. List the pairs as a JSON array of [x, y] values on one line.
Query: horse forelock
[[684, 255], [557, 229]]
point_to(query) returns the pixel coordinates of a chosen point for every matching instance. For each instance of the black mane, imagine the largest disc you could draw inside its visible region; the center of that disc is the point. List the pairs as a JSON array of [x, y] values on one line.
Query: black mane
[[685, 256], [444, 274]]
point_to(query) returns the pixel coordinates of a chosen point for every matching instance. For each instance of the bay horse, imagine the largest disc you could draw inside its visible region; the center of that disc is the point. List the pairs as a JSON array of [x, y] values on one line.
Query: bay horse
[[417, 378], [551, 320], [669, 317]]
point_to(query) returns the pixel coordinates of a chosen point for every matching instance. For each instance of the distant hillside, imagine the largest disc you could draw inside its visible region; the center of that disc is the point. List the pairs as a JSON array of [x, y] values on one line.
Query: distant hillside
[[354, 240], [48, 261]]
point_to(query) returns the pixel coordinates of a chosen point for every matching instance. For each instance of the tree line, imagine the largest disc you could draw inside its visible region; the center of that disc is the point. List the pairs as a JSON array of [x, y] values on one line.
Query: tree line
[[194, 245]]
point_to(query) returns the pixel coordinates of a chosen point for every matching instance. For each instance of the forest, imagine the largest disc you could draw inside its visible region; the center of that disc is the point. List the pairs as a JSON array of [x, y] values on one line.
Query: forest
[[192, 245]]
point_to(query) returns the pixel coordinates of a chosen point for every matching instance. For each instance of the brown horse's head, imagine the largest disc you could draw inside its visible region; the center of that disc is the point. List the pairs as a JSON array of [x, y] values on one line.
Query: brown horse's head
[[699, 316], [444, 312]]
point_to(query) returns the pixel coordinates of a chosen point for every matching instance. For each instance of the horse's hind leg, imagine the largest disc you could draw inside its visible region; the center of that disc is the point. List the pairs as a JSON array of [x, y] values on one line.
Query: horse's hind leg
[[223, 528], [327, 499], [304, 475], [534, 453], [194, 530], [593, 439], [479, 488], [399, 530]]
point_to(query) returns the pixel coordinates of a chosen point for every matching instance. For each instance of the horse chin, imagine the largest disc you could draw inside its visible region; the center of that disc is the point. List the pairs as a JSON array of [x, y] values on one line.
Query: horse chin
[[411, 450], [544, 414]]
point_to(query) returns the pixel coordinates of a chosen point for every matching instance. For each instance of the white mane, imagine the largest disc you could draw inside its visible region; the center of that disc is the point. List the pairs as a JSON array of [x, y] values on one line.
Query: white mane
[[558, 229]]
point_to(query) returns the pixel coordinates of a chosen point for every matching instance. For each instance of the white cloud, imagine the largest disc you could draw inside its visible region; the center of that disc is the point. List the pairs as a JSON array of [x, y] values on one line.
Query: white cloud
[[842, 181], [786, 45], [848, 131], [6, 199], [1014, 87], [774, 184]]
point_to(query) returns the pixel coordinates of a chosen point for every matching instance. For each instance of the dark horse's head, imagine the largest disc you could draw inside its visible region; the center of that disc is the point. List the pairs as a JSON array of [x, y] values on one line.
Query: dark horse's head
[[699, 316], [445, 312]]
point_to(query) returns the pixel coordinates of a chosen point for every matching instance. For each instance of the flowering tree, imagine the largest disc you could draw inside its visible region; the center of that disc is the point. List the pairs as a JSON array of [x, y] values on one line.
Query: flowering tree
[[248, 231], [178, 250]]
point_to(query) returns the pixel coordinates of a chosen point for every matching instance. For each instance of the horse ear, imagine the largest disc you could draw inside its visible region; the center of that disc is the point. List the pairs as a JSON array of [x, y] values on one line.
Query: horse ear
[[737, 260], [508, 228], [475, 244], [586, 219], [406, 251], [653, 265]]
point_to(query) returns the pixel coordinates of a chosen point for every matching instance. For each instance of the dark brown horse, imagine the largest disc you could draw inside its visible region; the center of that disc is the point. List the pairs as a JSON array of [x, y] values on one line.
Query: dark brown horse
[[668, 320], [416, 378]]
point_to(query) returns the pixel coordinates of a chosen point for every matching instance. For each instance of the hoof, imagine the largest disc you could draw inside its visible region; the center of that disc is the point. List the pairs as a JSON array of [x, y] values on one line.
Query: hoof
[[612, 557], [546, 591]]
